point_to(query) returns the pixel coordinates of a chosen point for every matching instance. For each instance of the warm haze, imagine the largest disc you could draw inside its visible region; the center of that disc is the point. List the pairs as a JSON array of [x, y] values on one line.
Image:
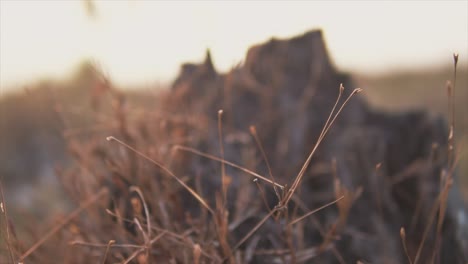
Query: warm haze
[[143, 42]]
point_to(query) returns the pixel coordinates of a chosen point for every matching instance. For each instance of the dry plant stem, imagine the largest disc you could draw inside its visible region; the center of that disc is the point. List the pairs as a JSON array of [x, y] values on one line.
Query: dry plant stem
[[175, 235], [208, 156], [319, 227], [289, 240], [446, 177], [450, 110], [446, 182], [170, 173], [55, 229], [111, 242], [145, 236], [451, 102], [429, 224], [7, 227], [204, 212], [324, 132], [196, 254], [403, 241], [331, 119], [309, 158], [455, 62], [262, 193], [253, 131], [221, 219], [314, 211], [223, 167], [145, 206], [251, 232], [265, 218], [250, 249], [340, 93]]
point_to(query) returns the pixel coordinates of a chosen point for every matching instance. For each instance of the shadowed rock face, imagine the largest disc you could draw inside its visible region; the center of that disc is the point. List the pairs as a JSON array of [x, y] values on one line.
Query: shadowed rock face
[[287, 88]]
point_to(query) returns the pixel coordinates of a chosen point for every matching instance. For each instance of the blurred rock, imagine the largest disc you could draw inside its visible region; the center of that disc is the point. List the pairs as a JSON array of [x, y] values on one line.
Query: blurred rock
[[287, 88]]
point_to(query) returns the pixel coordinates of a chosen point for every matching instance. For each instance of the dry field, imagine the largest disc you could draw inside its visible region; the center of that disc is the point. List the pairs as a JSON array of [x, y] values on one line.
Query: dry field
[[280, 160]]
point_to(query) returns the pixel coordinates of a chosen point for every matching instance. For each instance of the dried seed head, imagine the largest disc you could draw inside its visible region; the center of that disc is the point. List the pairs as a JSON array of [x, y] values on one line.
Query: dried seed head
[[402, 233], [253, 130], [378, 165], [357, 90], [341, 88], [455, 58]]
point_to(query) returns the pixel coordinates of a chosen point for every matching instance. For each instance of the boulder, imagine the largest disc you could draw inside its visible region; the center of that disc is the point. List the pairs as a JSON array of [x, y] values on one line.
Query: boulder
[[391, 162]]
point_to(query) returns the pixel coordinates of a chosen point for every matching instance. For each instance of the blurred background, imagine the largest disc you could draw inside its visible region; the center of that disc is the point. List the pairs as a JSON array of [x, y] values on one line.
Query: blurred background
[[400, 52], [144, 42]]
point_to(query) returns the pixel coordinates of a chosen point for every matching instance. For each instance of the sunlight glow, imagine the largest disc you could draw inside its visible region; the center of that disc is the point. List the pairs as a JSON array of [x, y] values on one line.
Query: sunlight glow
[[141, 42]]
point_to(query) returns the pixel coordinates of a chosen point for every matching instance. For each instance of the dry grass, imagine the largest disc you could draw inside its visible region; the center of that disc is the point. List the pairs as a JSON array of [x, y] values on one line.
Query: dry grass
[[179, 181], [147, 232]]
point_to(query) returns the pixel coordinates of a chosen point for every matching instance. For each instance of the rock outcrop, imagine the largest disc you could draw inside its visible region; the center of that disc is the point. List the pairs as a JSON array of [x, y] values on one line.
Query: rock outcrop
[[392, 162]]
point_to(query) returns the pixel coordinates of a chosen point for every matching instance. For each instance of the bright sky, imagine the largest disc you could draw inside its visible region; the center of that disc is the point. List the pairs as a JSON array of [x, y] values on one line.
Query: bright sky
[[143, 42]]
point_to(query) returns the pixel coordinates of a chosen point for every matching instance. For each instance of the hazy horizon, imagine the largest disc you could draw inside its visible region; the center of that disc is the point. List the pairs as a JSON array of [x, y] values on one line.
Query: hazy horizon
[[144, 42]]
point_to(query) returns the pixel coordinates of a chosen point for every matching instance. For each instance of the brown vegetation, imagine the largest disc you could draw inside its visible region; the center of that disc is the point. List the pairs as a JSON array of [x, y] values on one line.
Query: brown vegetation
[[181, 182]]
